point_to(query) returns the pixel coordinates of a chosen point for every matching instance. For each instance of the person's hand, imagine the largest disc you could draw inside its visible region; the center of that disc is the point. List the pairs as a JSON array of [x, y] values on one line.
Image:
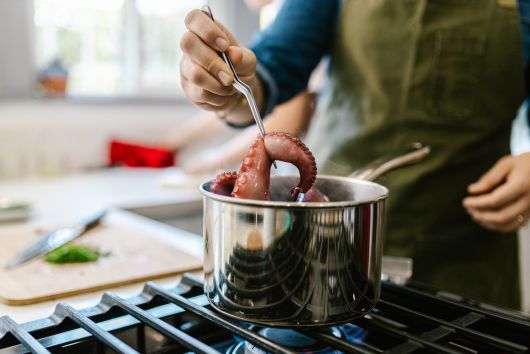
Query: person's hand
[[500, 199], [205, 77]]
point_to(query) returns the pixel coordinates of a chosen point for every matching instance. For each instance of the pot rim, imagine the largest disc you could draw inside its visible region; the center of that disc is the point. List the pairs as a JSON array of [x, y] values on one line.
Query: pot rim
[[382, 195]]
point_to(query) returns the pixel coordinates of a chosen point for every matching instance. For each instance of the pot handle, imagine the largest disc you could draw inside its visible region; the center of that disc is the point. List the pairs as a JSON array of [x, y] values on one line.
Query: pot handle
[[375, 169]]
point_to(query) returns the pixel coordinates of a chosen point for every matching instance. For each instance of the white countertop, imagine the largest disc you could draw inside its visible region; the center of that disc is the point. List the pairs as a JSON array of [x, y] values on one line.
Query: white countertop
[[62, 200]]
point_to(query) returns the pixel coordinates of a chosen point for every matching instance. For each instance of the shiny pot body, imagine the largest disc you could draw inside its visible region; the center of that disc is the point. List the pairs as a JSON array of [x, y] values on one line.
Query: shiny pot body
[[281, 263]]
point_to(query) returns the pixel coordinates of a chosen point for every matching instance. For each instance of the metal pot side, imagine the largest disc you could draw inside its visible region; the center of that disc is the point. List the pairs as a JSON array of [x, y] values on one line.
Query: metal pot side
[[295, 264]]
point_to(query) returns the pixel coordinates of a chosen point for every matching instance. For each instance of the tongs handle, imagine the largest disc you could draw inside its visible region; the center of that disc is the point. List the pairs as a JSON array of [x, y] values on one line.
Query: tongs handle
[[403, 157], [240, 85]]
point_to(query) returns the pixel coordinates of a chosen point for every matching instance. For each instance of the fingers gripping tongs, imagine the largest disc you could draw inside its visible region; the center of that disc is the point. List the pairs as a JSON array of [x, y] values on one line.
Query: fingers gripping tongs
[[242, 87]]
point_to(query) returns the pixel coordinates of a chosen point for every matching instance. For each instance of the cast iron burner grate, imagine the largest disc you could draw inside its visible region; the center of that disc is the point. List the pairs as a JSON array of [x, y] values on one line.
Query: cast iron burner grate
[[405, 320]]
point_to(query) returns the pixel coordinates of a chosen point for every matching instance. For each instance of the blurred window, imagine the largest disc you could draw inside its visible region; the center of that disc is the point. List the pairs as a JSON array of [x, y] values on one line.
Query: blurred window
[[113, 47]]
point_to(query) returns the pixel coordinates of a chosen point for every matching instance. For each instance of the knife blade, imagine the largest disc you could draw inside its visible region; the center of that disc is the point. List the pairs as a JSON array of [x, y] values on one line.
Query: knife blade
[[55, 239]]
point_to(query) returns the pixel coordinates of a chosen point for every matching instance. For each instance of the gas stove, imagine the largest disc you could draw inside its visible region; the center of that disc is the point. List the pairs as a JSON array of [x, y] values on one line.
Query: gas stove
[[179, 320]]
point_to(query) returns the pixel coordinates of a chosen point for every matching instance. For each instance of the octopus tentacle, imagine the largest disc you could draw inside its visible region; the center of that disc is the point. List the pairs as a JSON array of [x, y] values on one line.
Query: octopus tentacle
[[314, 195], [253, 180], [287, 148], [223, 184]]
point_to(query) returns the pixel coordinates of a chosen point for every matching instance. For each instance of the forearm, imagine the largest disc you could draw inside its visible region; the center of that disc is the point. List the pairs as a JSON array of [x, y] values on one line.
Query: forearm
[[200, 127], [292, 116]]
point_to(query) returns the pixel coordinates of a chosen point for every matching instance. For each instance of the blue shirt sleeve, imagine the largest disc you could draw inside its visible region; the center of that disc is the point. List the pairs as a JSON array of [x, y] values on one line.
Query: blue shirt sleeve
[[292, 46]]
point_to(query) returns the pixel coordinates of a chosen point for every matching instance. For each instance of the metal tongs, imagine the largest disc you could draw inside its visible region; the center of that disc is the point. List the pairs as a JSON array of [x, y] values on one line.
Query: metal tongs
[[242, 87]]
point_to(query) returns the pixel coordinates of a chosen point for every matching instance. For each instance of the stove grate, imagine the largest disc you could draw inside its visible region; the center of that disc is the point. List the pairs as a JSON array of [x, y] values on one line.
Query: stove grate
[[230, 325], [7, 325], [406, 320]]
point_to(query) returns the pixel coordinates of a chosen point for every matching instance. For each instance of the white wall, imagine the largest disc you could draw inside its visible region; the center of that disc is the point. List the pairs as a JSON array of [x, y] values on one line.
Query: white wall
[[235, 15], [520, 144], [524, 254], [17, 69], [56, 137]]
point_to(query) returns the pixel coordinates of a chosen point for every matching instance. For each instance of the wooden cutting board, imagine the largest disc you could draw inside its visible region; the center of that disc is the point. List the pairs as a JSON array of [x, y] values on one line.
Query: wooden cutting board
[[136, 254]]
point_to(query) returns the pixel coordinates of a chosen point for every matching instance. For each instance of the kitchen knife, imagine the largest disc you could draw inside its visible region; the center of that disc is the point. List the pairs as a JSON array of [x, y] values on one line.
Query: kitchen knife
[[55, 239]]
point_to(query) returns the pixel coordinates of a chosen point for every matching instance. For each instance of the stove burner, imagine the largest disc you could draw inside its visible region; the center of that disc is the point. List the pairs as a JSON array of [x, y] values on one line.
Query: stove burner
[[353, 334], [406, 320], [299, 342]]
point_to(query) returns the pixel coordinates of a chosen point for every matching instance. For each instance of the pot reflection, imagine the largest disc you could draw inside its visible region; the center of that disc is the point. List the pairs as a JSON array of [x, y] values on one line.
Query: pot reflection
[[284, 266]]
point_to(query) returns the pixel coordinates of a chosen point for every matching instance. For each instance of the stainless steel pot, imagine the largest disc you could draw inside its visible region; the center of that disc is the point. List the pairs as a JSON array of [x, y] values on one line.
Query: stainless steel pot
[[282, 263]]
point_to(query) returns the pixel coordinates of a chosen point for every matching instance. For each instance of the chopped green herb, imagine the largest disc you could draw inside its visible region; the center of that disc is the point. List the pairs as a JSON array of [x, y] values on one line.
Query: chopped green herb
[[74, 254]]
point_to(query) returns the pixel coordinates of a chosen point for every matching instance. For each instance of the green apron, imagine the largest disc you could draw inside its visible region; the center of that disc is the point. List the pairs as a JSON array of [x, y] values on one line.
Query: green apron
[[447, 73]]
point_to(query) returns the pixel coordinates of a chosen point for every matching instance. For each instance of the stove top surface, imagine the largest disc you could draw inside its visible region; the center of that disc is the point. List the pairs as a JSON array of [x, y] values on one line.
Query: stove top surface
[[180, 320]]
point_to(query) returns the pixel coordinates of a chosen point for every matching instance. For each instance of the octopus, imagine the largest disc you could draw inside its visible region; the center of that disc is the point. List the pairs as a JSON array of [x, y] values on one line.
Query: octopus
[[253, 179]]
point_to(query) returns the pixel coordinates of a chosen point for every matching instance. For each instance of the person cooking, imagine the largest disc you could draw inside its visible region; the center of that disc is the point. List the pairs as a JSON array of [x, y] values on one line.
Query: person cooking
[[447, 73]]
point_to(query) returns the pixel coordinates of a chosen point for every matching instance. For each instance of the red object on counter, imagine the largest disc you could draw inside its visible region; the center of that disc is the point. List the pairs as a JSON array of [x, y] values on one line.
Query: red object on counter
[[133, 155]]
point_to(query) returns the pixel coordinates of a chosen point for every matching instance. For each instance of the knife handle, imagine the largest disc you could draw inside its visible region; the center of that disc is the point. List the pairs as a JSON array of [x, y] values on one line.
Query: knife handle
[[92, 220]]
